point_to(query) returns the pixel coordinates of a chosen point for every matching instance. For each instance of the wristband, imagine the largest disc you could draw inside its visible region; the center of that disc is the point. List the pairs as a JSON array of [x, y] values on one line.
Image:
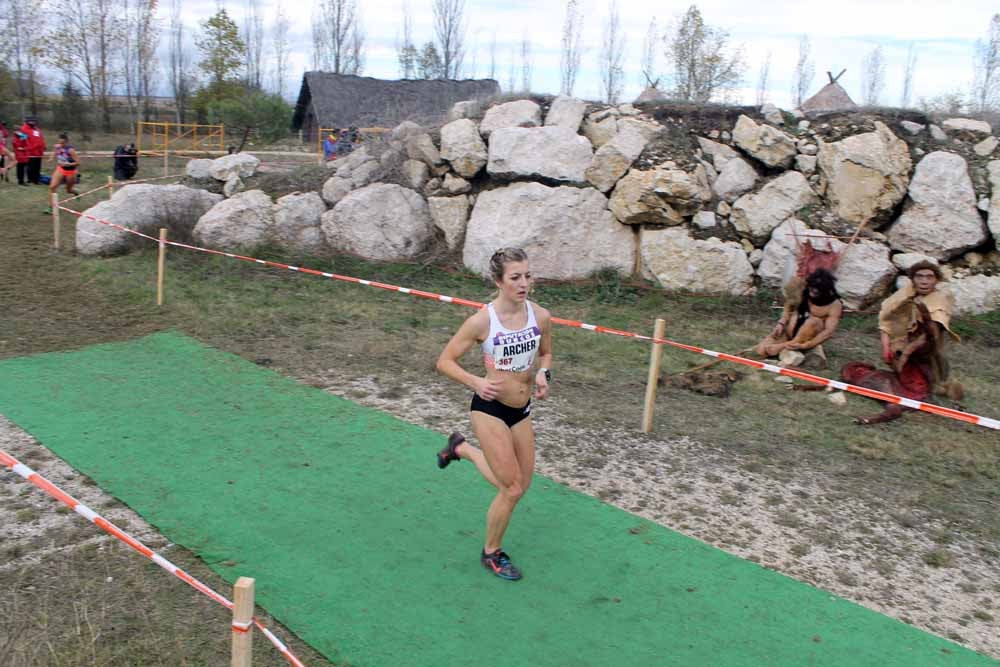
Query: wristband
[[548, 374]]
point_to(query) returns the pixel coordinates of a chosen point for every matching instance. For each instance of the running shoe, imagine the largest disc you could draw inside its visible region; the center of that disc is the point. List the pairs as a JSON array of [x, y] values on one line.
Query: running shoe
[[499, 564], [447, 455]]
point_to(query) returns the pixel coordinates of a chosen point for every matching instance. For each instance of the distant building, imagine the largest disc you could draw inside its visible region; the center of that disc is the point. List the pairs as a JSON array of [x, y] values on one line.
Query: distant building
[[342, 100], [832, 98]]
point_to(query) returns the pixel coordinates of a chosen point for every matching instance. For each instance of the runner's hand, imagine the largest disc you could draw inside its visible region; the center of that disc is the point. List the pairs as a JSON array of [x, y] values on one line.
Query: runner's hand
[[541, 386], [488, 389]]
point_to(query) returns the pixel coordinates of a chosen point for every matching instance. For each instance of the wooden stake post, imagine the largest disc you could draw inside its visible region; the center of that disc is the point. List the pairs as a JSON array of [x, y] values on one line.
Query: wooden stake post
[[166, 158], [242, 622], [655, 354], [160, 266], [111, 187], [54, 204]]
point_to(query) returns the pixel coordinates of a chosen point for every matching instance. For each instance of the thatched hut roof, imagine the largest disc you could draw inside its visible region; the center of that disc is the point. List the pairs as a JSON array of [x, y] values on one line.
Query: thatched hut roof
[[651, 94], [831, 98], [343, 100]]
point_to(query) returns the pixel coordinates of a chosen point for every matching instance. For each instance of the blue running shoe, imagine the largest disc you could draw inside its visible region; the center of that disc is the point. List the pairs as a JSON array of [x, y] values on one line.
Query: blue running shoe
[[499, 564], [447, 455]]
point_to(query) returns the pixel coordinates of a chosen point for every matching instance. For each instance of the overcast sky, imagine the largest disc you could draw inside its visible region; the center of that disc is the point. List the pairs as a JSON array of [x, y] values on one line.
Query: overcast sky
[[842, 33]]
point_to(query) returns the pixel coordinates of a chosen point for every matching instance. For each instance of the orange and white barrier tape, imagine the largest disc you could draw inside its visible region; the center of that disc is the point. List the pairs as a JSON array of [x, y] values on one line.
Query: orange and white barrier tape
[[788, 372], [8, 461]]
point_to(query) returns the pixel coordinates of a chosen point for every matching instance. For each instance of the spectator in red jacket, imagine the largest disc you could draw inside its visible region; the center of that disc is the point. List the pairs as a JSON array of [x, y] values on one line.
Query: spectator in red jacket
[[6, 157], [21, 156], [36, 149]]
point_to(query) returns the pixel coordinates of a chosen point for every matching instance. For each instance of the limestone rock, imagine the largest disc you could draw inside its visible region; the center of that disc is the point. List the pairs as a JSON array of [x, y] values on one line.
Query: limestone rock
[[241, 164], [681, 263], [433, 188], [555, 153], [912, 128], [237, 224], [566, 112], [755, 256], [450, 215], [421, 147], [465, 109], [402, 131], [975, 295], [612, 160], [720, 153], [865, 175], [968, 126], [627, 110], [143, 207], [336, 188], [455, 185], [937, 134], [986, 146], [710, 172], [415, 175], [808, 149], [519, 113], [940, 219], [382, 221], [600, 127], [463, 147], [993, 171], [662, 196], [772, 114], [567, 232], [297, 223], [865, 274], [806, 164], [723, 209], [647, 128], [904, 260], [704, 220], [365, 173], [777, 265], [735, 179], [199, 168], [756, 216], [232, 186], [356, 159], [764, 143]]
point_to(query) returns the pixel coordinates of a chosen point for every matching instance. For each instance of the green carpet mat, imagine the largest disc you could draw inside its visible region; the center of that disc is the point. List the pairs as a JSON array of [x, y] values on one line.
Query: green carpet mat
[[366, 550]]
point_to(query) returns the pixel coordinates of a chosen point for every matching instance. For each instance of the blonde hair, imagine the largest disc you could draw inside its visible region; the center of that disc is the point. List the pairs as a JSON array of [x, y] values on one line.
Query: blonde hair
[[502, 257]]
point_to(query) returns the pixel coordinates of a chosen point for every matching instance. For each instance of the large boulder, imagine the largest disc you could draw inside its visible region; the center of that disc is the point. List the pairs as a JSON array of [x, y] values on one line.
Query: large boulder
[[415, 175], [240, 223], [865, 175], [568, 232], [681, 263], [554, 153], [463, 147], [756, 216], [778, 263], [941, 218], [993, 171], [405, 129], [242, 165], [566, 112], [736, 179], [336, 188], [143, 207], [665, 196], [421, 147], [720, 153], [200, 168], [297, 223], [450, 215], [354, 160], [519, 113], [382, 221], [465, 109], [600, 127], [765, 143], [975, 295], [969, 127], [613, 159]]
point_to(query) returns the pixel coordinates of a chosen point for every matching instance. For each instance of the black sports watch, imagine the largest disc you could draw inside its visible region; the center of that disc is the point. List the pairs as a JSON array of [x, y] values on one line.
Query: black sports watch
[[548, 374]]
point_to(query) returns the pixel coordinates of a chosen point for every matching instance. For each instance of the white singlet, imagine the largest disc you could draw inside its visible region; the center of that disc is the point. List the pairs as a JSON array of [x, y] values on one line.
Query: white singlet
[[512, 351]]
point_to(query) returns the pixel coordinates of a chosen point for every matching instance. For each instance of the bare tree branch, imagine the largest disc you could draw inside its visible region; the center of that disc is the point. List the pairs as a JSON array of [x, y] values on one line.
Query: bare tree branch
[[648, 65], [449, 34], [612, 56], [872, 77], [20, 48], [527, 65], [986, 83], [911, 66], [704, 65], [805, 70], [762, 80], [280, 49], [569, 60], [253, 37], [181, 80], [406, 52], [493, 58], [338, 38]]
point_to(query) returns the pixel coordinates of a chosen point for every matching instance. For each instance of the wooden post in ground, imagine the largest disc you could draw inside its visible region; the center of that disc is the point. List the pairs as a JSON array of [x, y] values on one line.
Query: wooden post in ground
[[54, 204], [166, 158], [242, 622], [111, 187], [160, 265], [655, 354]]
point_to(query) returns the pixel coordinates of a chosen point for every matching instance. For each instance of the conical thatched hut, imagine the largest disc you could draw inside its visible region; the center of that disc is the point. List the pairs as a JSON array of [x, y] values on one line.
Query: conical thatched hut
[[650, 94], [832, 98]]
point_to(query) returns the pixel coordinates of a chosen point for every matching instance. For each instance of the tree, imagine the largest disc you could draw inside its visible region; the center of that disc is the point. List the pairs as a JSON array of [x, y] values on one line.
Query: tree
[[270, 115], [181, 79], [406, 53], [85, 45], [253, 38], [648, 65], [805, 70], [762, 77], [492, 74], [430, 64], [338, 38], [449, 35], [140, 39], [911, 66], [703, 63], [222, 50], [72, 111], [527, 65], [872, 77], [612, 55], [986, 81], [280, 50], [569, 59], [20, 48], [512, 71]]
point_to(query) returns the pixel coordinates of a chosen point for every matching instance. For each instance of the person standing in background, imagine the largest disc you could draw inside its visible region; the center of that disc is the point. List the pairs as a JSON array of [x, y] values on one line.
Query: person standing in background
[[36, 149]]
